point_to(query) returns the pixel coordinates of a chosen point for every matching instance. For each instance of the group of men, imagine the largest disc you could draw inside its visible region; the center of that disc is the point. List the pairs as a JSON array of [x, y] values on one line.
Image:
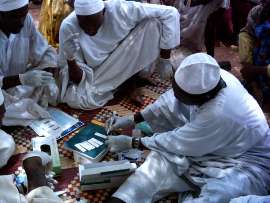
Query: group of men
[[210, 135]]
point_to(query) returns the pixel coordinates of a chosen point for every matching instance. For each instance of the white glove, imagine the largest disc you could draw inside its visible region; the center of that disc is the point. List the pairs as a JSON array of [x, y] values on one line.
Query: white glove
[[117, 122], [36, 78], [165, 68], [119, 143], [71, 46]]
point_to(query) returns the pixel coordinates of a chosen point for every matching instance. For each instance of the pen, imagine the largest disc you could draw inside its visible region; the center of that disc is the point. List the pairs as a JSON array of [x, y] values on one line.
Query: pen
[[111, 122]]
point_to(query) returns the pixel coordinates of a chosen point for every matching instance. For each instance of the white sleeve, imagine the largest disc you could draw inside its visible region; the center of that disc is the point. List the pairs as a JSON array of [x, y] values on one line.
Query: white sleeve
[[41, 53], [135, 12], [166, 113], [204, 135]]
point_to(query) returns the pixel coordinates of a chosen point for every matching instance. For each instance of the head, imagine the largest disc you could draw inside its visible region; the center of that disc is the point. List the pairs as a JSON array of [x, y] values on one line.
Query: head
[[266, 4], [12, 15], [2, 107], [197, 79], [90, 15]]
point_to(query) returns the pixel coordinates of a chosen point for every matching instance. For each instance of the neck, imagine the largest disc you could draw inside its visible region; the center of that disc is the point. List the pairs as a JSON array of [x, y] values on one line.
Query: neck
[[4, 30]]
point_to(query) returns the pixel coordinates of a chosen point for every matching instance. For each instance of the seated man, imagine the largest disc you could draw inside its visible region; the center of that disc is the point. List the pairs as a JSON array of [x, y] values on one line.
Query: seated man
[[25, 57], [103, 44], [254, 51], [211, 137], [35, 165]]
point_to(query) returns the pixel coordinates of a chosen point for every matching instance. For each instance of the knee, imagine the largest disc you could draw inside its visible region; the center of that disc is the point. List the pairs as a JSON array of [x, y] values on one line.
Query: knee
[[7, 148]]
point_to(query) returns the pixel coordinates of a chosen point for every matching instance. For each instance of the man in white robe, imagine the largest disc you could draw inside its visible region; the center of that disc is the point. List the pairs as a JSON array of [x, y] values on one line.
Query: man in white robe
[[24, 56], [103, 44], [210, 136]]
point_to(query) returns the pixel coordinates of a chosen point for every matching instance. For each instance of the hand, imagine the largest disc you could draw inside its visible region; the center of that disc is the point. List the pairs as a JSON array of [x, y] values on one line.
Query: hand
[[75, 73], [117, 122], [165, 68], [71, 46], [119, 143], [36, 78]]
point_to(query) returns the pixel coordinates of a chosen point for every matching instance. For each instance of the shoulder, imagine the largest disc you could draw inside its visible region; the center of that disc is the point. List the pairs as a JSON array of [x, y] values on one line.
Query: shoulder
[[28, 26], [256, 11], [70, 22]]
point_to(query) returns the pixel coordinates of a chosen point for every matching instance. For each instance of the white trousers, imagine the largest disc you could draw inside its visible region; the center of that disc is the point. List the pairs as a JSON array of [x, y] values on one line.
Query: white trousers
[[154, 179], [10, 194], [137, 51], [251, 199], [157, 178]]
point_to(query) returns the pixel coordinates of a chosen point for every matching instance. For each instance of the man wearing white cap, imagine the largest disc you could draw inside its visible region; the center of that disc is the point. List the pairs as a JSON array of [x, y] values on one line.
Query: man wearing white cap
[[25, 62], [103, 44], [210, 137]]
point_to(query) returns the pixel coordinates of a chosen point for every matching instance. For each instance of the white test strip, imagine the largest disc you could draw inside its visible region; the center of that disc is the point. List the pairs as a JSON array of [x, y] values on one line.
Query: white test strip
[[78, 146], [101, 135], [97, 141], [87, 145], [93, 143]]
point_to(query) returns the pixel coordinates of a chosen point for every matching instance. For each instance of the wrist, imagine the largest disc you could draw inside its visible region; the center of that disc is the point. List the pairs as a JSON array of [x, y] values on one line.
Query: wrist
[[165, 53]]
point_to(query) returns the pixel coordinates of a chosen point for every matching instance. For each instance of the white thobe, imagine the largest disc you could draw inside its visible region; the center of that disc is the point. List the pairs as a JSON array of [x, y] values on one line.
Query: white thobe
[[10, 194], [7, 148], [221, 146], [18, 54], [251, 199], [128, 41]]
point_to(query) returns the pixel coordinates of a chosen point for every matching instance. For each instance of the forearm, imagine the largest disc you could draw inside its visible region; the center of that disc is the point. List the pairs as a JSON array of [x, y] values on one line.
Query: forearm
[[11, 81]]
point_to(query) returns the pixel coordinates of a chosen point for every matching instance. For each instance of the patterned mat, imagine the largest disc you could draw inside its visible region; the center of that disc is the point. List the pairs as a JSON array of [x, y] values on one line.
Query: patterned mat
[[69, 179]]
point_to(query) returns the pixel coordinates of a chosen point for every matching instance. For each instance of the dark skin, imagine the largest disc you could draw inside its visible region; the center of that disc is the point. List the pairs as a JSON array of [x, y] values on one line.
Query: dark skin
[[90, 25], [11, 22], [249, 70]]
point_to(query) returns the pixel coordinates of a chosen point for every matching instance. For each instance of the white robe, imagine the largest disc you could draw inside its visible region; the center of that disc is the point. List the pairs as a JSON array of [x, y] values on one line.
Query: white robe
[[128, 41], [7, 148], [221, 146], [18, 54], [251, 199]]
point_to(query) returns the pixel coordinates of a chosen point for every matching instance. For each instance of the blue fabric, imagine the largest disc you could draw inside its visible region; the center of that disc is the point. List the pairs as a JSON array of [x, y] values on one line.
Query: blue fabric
[[261, 54]]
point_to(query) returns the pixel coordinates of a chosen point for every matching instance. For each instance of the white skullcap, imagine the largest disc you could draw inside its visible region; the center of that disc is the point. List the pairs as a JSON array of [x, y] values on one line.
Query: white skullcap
[[9, 5], [197, 74], [88, 7], [1, 97]]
